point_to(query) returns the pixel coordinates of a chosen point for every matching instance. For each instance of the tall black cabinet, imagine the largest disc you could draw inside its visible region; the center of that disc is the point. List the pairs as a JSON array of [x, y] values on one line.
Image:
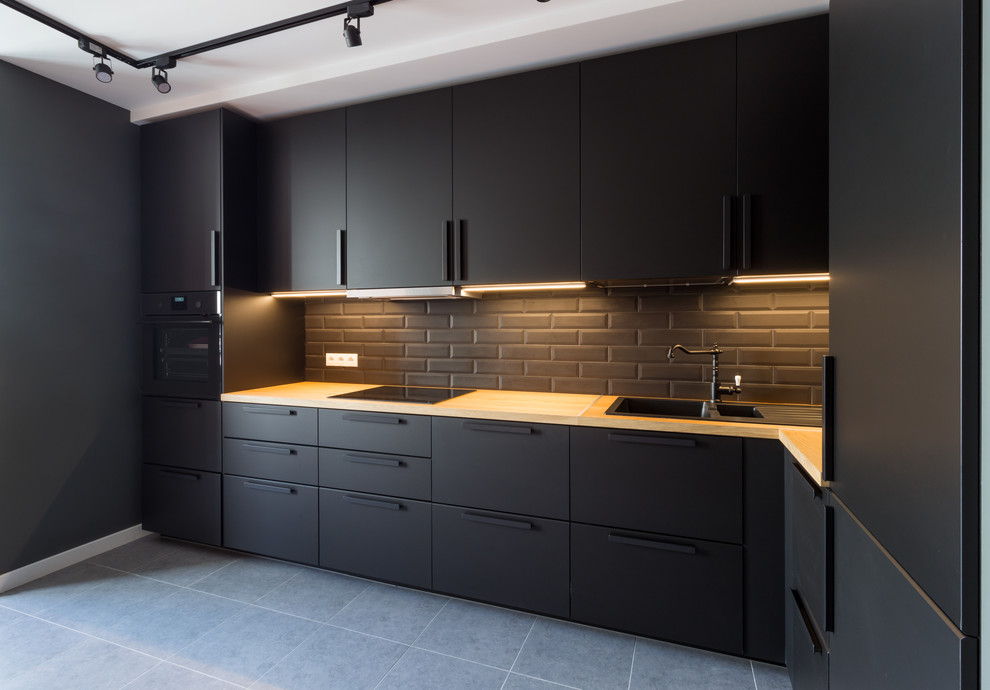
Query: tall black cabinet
[[904, 258]]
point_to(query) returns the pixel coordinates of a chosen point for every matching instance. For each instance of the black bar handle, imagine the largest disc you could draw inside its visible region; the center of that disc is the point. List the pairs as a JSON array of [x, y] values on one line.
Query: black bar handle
[[270, 488], [497, 428], [829, 569], [650, 544], [653, 440], [828, 418], [184, 404], [458, 250], [726, 232], [445, 252], [341, 249], [372, 418], [215, 258], [811, 482], [746, 240], [816, 643], [192, 476], [498, 522], [274, 450], [372, 460], [372, 503], [270, 409]]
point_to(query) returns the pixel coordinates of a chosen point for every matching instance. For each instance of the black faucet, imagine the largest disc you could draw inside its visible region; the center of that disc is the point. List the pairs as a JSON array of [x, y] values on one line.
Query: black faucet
[[717, 388]]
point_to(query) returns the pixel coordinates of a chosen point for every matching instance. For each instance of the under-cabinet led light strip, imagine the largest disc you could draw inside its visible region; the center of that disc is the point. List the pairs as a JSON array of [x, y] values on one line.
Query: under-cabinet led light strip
[[795, 278], [311, 293], [523, 287]]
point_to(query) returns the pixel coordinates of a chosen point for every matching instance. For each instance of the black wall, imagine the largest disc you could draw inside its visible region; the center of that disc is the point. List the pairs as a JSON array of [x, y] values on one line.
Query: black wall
[[69, 258]]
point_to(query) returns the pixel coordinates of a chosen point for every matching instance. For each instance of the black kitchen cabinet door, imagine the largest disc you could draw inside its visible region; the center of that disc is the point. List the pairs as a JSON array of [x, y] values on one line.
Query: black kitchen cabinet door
[[181, 503], [399, 228], [517, 178], [181, 432], [783, 148], [198, 196], [276, 519], [658, 161], [303, 201]]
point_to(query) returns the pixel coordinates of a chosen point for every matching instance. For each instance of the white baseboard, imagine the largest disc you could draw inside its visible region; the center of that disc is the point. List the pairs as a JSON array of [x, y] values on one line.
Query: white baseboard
[[47, 566]]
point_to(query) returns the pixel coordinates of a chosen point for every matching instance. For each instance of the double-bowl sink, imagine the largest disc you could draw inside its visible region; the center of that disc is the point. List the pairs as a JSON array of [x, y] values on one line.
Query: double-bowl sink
[[797, 415]]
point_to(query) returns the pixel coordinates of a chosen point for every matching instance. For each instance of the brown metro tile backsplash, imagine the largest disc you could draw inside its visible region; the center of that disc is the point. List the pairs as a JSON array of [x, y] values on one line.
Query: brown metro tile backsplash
[[596, 341]]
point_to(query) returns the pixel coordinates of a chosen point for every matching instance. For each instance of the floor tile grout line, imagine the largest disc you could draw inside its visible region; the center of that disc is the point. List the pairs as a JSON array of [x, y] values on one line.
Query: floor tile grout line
[[752, 670], [285, 656], [515, 661], [632, 663]]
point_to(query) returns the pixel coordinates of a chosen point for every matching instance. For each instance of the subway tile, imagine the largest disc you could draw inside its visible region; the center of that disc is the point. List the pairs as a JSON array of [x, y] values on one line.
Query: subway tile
[[474, 381], [474, 351], [502, 367], [437, 380], [801, 300], [810, 338], [342, 347], [798, 376], [428, 321], [313, 322], [313, 375], [370, 363], [525, 383], [450, 306], [774, 356], [405, 307], [552, 337], [451, 366], [638, 320], [579, 321], [524, 352], [315, 308], [325, 336], [685, 337], [404, 364], [341, 375], [608, 337], [819, 319], [474, 321], [384, 350], [314, 348], [650, 389], [498, 306], [750, 375], [817, 354], [524, 320], [363, 336], [449, 336], [364, 306], [343, 321], [551, 304], [670, 303], [671, 372], [686, 389], [403, 335], [583, 386], [486, 335], [775, 319], [314, 361], [428, 350], [552, 369], [739, 338], [608, 370], [638, 354], [816, 396], [612, 304], [580, 353], [704, 319], [777, 394], [721, 301], [384, 378], [391, 321]]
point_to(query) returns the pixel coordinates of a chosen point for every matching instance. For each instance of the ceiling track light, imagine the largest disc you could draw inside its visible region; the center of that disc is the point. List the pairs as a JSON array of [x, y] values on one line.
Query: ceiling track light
[[352, 32], [103, 71], [159, 78]]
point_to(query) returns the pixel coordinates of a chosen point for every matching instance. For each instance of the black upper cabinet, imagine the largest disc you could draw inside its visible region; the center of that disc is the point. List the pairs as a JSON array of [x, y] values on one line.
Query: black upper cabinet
[[198, 192], [399, 191], [303, 201], [658, 161], [783, 148], [517, 177]]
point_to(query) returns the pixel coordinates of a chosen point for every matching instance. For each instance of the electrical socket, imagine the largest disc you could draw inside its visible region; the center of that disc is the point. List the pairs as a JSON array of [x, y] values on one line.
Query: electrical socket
[[342, 359]]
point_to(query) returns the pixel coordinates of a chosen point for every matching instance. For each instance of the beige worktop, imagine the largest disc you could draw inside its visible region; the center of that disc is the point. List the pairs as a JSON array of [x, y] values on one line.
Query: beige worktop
[[547, 408]]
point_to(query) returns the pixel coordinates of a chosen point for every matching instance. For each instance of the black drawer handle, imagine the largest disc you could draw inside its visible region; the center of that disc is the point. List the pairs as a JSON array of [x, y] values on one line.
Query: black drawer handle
[[184, 404], [270, 488], [497, 428], [269, 409], [373, 418], [811, 482], [372, 503], [650, 544], [498, 522], [816, 643], [274, 450], [371, 460], [191, 476], [654, 440]]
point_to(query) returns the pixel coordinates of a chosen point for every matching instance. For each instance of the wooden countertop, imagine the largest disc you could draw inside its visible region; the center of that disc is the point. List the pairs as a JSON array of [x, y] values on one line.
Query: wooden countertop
[[546, 408]]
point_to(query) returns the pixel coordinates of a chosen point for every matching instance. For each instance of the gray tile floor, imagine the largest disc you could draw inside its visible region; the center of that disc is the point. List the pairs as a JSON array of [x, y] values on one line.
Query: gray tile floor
[[164, 614]]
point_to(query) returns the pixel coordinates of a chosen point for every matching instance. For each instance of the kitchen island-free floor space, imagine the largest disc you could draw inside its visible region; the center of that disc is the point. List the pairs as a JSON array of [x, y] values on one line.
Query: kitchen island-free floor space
[[165, 614]]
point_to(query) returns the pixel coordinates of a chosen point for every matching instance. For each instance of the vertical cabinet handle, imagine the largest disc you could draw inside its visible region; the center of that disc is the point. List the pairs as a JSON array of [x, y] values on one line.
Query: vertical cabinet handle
[[828, 418], [726, 232], [341, 249], [445, 252], [458, 251], [215, 258], [746, 240]]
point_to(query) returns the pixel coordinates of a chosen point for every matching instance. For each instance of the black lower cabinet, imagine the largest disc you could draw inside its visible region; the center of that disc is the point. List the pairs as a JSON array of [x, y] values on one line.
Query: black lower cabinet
[[503, 558], [276, 519], [681, 590], [182, 503], [376, 536], [807, 655]]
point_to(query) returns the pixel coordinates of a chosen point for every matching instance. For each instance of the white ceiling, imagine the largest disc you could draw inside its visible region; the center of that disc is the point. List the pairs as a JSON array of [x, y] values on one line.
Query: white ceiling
[[409, 45]]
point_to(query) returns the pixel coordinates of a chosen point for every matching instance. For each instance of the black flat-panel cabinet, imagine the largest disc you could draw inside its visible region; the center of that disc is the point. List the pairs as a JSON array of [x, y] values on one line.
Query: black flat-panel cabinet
[[658, 161], [198, 196], [399, 192], [181, 432], [303, 201], [181, 503], [783, 148], [517, 178], [272, 518]]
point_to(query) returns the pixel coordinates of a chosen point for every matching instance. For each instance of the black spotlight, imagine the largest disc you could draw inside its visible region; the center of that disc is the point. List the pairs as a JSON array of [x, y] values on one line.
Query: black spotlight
[[103, 72], [352, 33], [159, 78]]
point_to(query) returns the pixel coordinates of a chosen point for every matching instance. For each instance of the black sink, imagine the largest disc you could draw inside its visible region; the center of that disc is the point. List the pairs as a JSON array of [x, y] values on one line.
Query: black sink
[[659, 407], [737, 410]]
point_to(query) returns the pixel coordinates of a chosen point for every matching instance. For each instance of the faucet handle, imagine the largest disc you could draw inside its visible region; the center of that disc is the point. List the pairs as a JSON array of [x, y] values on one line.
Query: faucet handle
[[738, 380]]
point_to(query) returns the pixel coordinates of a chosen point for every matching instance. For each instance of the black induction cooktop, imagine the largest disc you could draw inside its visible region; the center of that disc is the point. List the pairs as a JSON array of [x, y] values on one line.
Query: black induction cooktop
[[409, 394]]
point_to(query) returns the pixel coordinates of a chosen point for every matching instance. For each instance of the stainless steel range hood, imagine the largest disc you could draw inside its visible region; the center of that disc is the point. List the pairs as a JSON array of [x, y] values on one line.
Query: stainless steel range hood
[[436, 292]]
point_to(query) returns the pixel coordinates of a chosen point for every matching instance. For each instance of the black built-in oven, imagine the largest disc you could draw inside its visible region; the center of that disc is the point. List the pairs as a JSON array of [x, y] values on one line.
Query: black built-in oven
[[181, 345]]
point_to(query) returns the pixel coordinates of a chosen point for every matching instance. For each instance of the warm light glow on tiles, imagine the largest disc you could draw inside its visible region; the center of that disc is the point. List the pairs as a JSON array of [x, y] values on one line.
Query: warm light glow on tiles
[[523, 286], [311, 293], [795, 278]]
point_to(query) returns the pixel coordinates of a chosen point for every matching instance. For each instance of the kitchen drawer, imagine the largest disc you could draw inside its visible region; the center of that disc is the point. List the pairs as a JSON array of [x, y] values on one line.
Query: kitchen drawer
[[809, 545], [276, 519], [679, 484], [807, 656], [502, 558], [181, 433], [375, 536], [266, 460], [516, 468], [376, 473], [181, 503], [280, 423], [681, 590], [377, 432]]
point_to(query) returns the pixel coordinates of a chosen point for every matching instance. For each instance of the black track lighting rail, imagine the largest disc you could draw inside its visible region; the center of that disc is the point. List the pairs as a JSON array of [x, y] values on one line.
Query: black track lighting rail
[[167, 60]]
